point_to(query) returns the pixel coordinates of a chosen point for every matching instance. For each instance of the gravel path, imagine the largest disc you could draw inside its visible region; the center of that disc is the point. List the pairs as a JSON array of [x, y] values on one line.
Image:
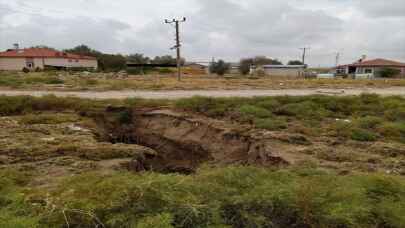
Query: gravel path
[[215, 93]]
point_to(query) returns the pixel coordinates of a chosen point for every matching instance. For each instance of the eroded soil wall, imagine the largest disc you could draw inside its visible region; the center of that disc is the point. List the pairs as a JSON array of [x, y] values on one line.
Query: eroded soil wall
[[184, 141]]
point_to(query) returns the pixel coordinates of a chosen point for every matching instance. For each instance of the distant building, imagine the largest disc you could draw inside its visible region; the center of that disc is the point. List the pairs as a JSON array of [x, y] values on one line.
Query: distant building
[[39, 58], [234, 68], [370, 67], [292, 71]]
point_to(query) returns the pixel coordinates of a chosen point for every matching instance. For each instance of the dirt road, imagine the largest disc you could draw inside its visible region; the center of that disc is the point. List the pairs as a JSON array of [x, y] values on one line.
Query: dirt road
[[214, 93]]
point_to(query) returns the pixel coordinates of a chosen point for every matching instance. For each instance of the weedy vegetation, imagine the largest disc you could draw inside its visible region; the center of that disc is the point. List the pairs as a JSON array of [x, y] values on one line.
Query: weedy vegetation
[[214, 197], [367, 117], [300, 195]]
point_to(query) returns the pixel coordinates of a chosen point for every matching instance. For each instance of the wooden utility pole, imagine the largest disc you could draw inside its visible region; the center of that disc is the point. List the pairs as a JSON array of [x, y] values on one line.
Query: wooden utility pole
[[178, 45], [337, 59], [304, 54]]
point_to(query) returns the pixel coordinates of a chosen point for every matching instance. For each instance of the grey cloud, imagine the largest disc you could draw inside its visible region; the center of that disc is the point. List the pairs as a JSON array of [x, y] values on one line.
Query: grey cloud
[[224, 29], [65, 33], [380, 8]]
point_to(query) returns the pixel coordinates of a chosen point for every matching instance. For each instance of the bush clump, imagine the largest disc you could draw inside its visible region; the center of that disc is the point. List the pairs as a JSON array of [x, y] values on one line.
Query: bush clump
[[271, 124], [219, 197], [251, 111], [363, 135]]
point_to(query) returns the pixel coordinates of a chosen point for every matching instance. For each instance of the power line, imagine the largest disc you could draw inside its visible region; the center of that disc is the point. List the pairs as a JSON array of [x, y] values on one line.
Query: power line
[[178, 45]]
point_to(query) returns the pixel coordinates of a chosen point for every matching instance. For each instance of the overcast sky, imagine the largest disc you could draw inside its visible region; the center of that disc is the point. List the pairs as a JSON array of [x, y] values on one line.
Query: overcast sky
[[228, 29]]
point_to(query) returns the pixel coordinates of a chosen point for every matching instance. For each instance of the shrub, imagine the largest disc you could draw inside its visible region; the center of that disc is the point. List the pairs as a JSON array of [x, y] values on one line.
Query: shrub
[[369, 122], [389, 72], [303, 110], [54, 81], [208, 106], [165, 71], [43, 80], [26, 104], [158, 221], [393, 130], [269, 104], [250, 111], [395, 114], [363, 135], [26, 70], [341, 129], [245, 65], [214, 197], [271, 124], [220, 67]]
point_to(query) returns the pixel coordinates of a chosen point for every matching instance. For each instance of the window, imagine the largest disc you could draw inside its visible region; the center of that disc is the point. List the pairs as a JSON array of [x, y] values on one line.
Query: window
[[77, 60], [368, 71], [70, 60]]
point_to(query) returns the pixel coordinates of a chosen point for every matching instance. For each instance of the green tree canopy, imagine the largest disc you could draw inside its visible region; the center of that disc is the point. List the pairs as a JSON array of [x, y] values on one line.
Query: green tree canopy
[[295, 62], [245, 65], [263, 60], [138, 58], [220, 67]]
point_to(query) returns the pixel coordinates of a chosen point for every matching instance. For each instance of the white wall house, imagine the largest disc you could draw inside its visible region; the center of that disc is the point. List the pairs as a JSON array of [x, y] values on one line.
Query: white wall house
[[33, 58], [370, 67]]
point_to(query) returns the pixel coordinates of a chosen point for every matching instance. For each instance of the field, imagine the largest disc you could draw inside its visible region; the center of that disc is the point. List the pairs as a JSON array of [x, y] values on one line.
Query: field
[[115, 81], [313, 161]]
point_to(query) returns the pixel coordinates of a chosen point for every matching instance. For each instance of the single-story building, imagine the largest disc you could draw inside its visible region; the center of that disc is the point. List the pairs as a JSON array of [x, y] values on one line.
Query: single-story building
[[292, 71], [370, 67], [196, 68], [234, 68], [39, 58]]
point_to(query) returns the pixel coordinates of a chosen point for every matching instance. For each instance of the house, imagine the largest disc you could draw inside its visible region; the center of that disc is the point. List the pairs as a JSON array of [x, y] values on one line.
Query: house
[[234, 68], [291, 71], [372, 68], [39, 58], [196, 68]]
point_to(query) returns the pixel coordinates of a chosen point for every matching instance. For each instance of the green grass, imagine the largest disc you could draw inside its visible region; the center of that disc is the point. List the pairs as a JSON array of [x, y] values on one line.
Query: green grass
[[362, 118], [16, 81], [218, 197], [49, 118]]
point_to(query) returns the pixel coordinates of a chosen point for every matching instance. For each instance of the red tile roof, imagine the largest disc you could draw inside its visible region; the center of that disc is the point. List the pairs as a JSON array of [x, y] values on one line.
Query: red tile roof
[[378, 63], [41, 53]]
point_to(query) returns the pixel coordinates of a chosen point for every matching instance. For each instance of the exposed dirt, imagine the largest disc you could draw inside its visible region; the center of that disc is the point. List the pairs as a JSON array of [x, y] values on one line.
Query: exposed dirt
[[50, 151], [184, 141], [167, 141], [176, 94]]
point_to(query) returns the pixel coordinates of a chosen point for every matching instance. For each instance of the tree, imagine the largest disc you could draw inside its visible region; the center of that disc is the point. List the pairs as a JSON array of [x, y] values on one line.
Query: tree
[[263, 60], [167, 59], [220, 67], [245, 65], [83, 50], [389, 72], [138, 58], [295, 62], [106, 62], [43, 46]]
